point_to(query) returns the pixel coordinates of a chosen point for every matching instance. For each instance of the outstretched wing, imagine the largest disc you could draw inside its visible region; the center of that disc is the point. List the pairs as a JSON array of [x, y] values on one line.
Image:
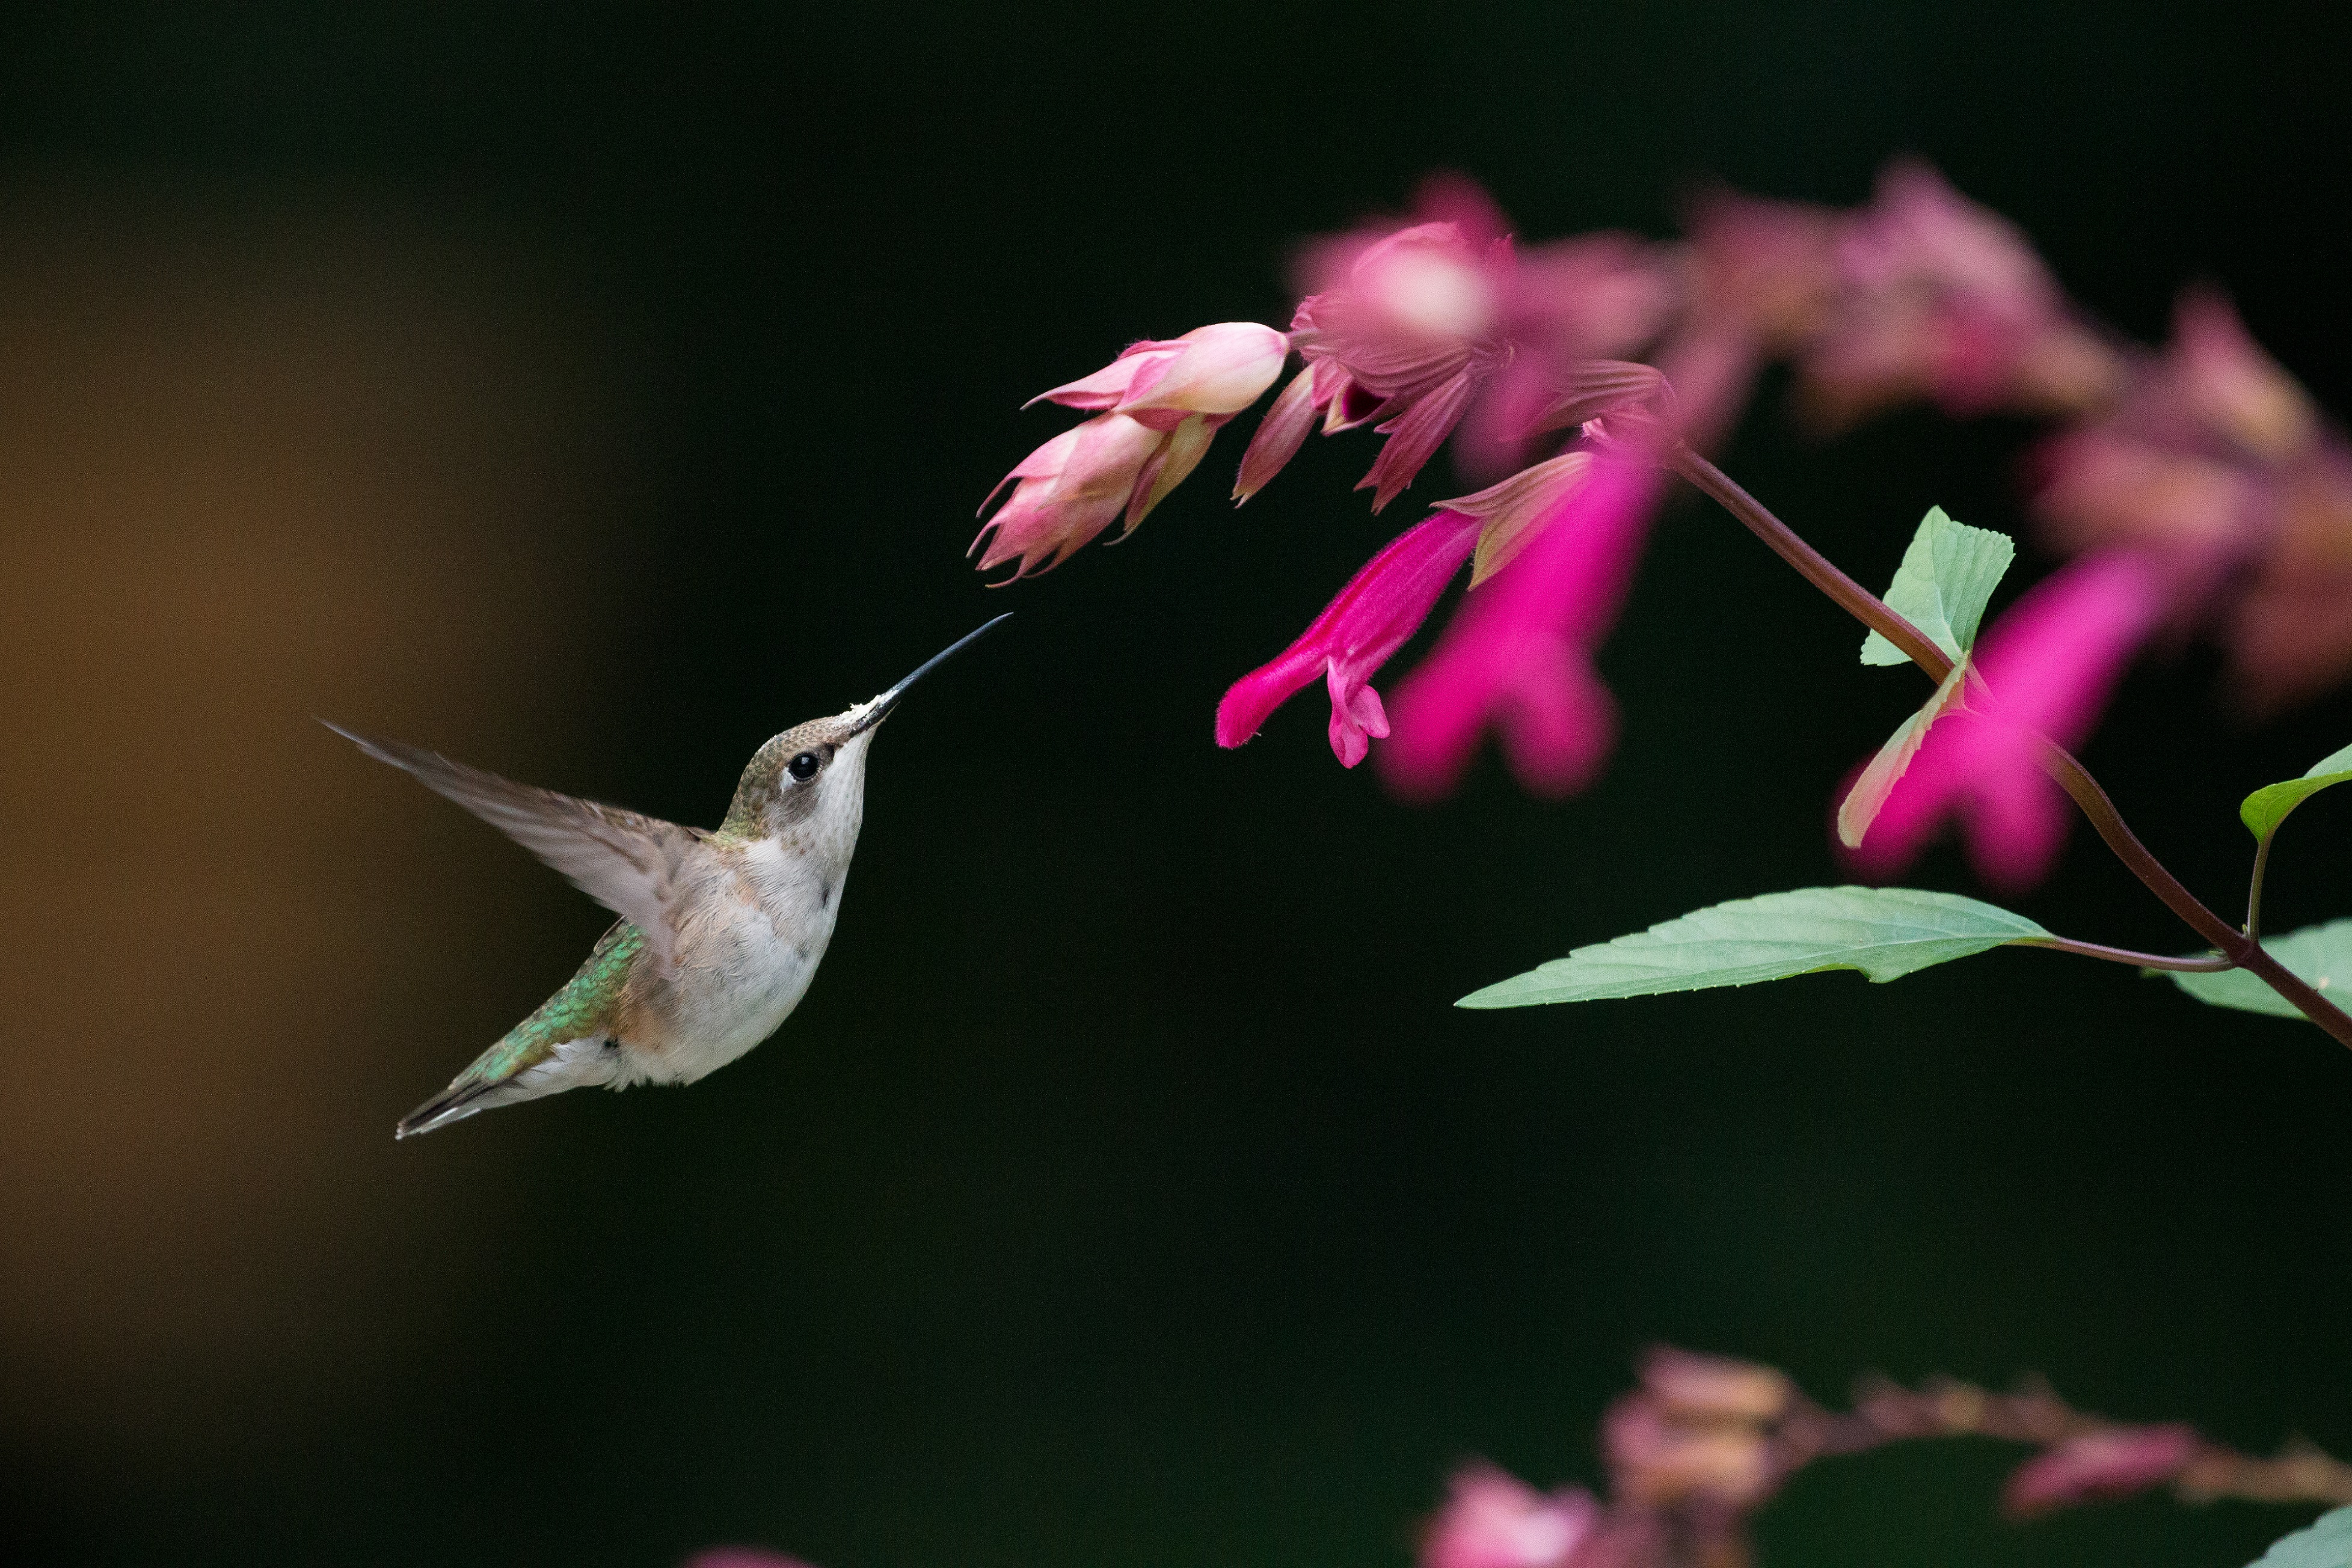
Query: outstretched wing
[[631, 864]]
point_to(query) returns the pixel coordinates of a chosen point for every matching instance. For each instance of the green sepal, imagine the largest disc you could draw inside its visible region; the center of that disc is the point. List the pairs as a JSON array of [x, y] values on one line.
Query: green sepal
[[2320, 956], [1948, 575], [2267, 806], [1885, 932], [1861, 803]]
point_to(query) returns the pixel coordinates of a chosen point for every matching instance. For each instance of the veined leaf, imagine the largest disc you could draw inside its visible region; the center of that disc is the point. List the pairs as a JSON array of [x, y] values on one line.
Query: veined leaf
[[1885, 932], [1862, 802], [1947, 574], [2326, 1544], [2319, 955], [2267, 806]]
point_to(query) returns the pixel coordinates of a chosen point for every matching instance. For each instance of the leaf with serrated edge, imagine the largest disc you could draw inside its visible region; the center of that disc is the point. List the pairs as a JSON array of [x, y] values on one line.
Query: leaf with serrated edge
[[2320, 955], [1885, 932], [2326, 1544], [2267, 806], [1948, 575], [1861, 803]]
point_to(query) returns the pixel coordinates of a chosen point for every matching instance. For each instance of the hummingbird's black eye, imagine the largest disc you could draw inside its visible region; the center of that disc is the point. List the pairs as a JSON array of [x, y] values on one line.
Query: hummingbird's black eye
[[804, 767]]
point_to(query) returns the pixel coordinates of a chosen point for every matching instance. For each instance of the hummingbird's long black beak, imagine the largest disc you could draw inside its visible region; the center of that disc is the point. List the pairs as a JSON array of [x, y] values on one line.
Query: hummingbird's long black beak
[[879, 708]]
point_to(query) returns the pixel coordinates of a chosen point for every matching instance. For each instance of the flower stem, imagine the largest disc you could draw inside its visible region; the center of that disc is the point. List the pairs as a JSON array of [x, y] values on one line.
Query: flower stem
[[2242, 948]]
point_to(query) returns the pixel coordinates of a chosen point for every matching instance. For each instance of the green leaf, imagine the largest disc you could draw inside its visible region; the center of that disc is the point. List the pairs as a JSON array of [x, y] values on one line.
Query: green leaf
[[2320, 955], [2327, 1544], [1946, 575], [2267, 806], [1885, 932], [1862, 802]]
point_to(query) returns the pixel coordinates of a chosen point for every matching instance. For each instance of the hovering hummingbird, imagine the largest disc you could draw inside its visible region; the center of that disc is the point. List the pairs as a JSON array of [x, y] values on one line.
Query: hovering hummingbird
[[719, 932]]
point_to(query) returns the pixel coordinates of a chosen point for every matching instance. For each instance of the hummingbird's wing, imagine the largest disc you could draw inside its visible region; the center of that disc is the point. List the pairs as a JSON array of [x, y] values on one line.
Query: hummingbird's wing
[[631, 864]]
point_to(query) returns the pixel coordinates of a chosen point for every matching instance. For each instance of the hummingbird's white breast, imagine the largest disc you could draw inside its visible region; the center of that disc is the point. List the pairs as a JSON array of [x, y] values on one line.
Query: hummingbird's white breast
[[750, 934]]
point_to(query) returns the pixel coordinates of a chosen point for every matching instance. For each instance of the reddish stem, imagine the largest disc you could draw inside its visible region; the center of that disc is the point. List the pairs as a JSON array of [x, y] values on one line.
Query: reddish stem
[[2242, 949]]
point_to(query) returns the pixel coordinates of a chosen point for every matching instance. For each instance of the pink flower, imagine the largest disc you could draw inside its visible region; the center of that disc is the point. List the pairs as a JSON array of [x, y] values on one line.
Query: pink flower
[[1517, 653], [1415, 328], [1940, 298], [1381, 607], [741, 1557], [1219, 369], [2113, 1463], [1402, 344], [1496, 1521], [1770, 266], [1078, 484], [2047, 666]]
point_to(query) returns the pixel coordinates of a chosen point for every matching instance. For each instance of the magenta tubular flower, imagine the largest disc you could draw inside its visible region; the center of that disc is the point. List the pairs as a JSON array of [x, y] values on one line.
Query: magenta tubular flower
[[1517, 655], [2099, 1464], [1358, 632], [2047, 667], [1496, 1521]]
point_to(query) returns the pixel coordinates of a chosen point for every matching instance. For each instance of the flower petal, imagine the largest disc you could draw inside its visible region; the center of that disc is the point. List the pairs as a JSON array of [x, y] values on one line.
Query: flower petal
[[1280, 435], [1414, 438]]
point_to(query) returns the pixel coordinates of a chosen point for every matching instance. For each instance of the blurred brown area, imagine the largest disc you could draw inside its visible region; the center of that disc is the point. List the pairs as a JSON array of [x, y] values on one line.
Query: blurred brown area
[[262, 460]]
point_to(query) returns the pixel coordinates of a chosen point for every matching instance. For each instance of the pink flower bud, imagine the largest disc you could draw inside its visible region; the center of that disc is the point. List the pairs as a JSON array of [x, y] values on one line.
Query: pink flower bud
[[1069, 490], [1495, 1521], [2109, 1464], [1219, 369]]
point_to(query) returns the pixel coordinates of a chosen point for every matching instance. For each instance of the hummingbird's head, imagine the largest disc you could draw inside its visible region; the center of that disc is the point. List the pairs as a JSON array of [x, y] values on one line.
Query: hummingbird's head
[[808, 784]]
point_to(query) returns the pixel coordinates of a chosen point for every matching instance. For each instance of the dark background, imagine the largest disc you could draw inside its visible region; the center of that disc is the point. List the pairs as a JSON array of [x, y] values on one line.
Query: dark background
[[592, 392]]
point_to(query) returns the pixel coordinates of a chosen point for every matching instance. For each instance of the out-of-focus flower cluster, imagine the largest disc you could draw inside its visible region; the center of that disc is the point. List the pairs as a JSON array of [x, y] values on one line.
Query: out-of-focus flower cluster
[[1705, 1441], [2197, 488]]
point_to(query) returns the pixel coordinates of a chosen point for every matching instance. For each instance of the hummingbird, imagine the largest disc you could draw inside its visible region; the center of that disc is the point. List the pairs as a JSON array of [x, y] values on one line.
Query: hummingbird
[[719, 932]]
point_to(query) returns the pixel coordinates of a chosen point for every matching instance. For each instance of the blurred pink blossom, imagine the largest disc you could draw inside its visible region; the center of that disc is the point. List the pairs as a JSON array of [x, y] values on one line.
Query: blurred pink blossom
[[1358, 632], [2047, 666], [1518, 653], [1496, 1521], [741, 1557], [2115, 1463], [2219, 464], [1716, 1386], [1411, 328], [1659, 1457], [1940, 298]]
